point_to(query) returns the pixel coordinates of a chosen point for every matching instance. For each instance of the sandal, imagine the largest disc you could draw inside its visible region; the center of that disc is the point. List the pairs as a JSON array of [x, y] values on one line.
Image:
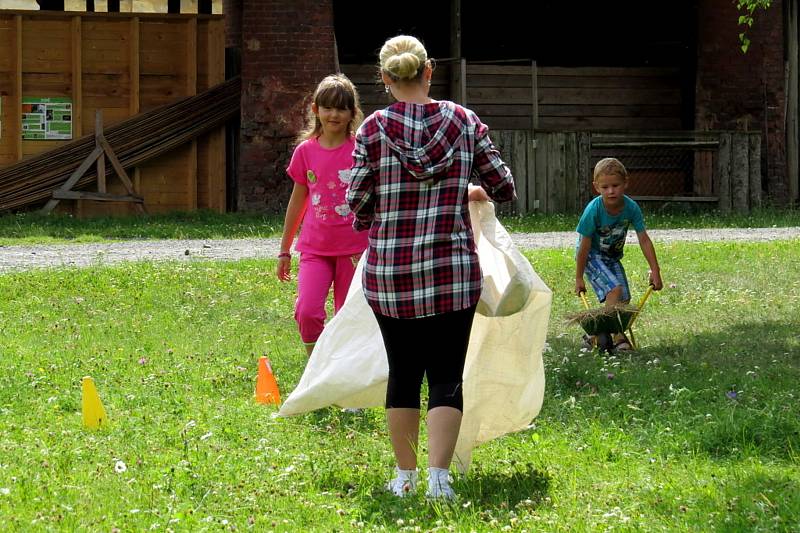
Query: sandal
[[623, 345], [588, 342]]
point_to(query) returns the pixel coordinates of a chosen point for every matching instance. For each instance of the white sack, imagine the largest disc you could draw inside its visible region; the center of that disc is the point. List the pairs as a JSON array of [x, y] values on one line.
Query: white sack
[[503, 374]]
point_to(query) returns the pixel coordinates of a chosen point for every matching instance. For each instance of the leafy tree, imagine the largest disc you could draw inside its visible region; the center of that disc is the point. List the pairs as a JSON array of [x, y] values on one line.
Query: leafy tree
[[748, 8]]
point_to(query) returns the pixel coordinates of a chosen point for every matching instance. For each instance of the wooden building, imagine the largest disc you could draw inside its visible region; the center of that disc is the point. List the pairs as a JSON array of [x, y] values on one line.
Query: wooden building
[[663, 86], [70, 65]]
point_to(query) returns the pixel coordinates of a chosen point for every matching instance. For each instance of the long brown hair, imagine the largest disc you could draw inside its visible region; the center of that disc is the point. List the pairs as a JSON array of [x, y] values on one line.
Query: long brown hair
[[336, 91]]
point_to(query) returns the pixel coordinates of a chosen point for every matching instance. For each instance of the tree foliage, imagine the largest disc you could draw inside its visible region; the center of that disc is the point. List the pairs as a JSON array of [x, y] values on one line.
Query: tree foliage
[[747, 10]]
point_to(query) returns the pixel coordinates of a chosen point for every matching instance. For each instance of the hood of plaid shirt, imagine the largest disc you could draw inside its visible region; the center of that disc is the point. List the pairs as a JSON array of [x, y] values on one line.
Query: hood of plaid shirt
[[424, 137]]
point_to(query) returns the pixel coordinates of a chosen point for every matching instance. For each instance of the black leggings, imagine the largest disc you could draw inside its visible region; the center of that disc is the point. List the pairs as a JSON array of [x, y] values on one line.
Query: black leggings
[[435, 346]]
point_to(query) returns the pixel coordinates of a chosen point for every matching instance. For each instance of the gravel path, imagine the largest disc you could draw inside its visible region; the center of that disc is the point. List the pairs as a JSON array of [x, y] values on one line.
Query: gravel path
[[81, 255]]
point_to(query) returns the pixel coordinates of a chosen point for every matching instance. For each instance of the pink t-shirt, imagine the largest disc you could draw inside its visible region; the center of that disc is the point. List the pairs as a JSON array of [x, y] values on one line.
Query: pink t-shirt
[[328, 223]]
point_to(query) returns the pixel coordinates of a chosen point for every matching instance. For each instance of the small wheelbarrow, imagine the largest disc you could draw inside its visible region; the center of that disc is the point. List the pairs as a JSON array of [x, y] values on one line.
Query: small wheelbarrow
[[602, 323]]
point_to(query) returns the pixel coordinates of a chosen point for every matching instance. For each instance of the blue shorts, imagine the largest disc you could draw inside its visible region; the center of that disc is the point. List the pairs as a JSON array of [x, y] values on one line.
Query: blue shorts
[[605, 274]]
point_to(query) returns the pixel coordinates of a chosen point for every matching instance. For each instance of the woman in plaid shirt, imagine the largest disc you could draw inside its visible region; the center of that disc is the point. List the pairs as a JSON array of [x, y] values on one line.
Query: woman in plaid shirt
[[410, 188]]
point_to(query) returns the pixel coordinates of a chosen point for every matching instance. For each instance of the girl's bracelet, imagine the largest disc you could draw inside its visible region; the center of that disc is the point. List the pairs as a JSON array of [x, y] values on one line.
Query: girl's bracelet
[[284, 254]]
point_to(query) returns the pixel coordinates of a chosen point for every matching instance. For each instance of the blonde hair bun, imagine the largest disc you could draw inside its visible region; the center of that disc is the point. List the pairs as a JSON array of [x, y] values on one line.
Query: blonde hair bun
[[403, 57]]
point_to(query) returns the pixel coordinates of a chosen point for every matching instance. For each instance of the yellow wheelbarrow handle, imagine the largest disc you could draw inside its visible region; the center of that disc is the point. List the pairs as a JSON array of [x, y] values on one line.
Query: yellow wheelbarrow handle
[[583, 298], [641, 304]]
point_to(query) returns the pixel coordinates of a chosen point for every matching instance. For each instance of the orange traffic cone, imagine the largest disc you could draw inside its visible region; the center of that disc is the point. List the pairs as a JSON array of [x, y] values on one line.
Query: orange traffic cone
[[266, 386], [94, 415]]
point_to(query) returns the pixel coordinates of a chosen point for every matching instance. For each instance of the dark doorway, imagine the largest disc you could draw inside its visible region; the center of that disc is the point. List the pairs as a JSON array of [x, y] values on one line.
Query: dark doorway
[[360, 42], [51, 5]]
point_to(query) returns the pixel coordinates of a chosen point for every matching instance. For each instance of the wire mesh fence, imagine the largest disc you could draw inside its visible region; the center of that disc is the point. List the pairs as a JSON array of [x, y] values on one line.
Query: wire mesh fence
[[678, 166]]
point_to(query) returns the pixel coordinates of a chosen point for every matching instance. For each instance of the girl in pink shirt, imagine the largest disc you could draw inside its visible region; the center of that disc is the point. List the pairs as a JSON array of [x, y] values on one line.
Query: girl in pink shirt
[[320, 168]]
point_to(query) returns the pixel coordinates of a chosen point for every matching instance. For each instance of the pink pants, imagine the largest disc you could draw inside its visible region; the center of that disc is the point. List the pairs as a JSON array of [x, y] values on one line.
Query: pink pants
[[315, 276]]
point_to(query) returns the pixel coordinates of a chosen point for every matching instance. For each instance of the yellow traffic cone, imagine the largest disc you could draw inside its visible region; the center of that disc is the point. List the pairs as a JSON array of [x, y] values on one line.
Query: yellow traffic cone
[[94, 415], [266, 386]]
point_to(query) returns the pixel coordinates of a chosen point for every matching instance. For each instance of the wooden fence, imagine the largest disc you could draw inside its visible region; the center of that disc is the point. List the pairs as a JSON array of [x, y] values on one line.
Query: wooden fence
[[553, 170], [123, 64]]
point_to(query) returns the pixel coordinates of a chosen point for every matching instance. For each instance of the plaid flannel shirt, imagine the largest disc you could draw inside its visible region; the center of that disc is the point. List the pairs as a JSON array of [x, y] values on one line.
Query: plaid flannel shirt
[[412, 165]]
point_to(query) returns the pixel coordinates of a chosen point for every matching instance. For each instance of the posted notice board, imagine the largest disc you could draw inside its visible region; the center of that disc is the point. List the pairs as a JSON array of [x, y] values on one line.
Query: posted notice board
[[46, 118]]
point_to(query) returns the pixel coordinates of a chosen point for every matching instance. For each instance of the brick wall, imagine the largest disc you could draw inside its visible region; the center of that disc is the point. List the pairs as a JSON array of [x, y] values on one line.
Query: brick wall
[[287, 48], [232, 9], [737, 91]]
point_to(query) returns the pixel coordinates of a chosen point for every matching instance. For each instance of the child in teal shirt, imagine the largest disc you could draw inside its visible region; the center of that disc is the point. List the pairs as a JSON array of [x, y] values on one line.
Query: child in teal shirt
[[602, 230]]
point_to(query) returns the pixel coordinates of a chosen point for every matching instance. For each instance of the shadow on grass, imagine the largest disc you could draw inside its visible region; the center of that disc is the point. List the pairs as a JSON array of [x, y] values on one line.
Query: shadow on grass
[[526, 484], [730, 392], [478, 492]]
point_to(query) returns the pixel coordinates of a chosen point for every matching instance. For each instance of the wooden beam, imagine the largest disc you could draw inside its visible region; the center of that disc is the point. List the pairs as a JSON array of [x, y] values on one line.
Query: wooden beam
[[455, 48], [133, 64], [73, 179], [676, 198], [77, 78], [191, 176], [792, 107], [118, 168], [584, 170], [16, 102], [96, 196], [519, 166], [642, 144], [722, 173], [191, 89], [101, 161], [191, 56], [531, 155], [754, 165], [542, 147], [213, 143], [740, 173], [534, 96], [555, 173], [463, 82], [571, 181], [101, 174]]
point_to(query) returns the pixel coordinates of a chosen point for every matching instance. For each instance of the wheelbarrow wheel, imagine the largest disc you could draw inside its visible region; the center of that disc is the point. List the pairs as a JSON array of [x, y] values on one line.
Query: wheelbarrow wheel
[[605, 343]]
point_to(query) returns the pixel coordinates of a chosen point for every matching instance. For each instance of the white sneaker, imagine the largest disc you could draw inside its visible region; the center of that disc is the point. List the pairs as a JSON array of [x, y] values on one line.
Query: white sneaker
[[439, 484], [404, 483]]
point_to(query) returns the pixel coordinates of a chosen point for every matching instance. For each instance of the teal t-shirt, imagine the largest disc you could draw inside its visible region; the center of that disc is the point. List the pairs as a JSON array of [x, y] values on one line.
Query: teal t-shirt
[[608, 232]]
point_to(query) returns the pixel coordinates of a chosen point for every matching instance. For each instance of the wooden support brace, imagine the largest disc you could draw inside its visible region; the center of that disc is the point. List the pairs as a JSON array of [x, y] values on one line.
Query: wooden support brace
[[101, 151]]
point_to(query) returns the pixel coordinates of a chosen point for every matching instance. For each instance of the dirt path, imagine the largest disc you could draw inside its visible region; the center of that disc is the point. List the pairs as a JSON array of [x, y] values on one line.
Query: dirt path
[[81, 255]]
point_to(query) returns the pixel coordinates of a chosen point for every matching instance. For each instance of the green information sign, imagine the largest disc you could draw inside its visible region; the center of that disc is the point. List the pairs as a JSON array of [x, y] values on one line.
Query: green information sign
[[46, 118]]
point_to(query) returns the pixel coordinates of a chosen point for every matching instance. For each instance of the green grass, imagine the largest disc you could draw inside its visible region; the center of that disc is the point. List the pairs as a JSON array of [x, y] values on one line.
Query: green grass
[[31, 228], [651, 441], [666, 217]]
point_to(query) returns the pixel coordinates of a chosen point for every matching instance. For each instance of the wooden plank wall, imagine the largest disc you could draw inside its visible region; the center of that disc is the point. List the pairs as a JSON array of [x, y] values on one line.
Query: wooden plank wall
[[569, 99], [576, 98], [373, 95], [553, 170], [123, 65], [553, 165], [10, 90], [737, 172]]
